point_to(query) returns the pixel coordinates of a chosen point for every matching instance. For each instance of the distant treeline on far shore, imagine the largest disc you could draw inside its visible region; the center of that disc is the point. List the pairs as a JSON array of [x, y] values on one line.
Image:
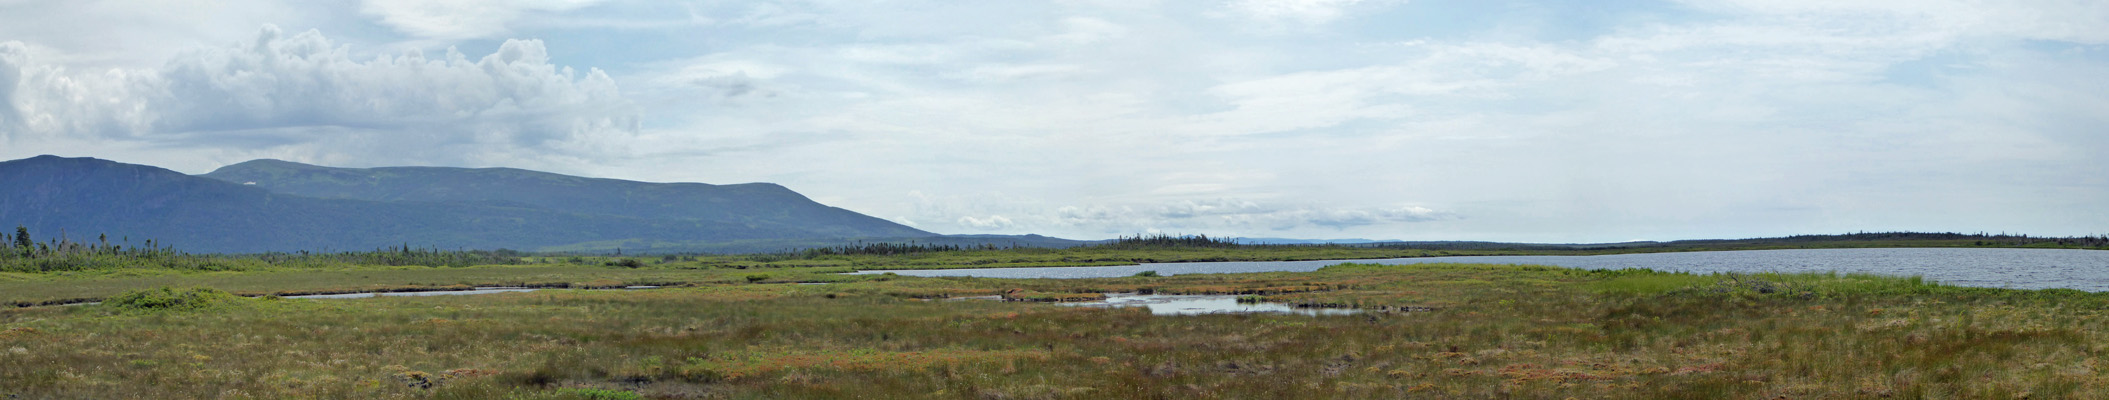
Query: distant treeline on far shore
[[1850, 240], [20, 251]]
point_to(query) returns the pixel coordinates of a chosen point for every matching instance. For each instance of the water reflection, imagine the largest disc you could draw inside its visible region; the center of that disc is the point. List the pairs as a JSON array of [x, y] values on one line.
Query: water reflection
[[1172, 304], [2000, 268], [481, 290]]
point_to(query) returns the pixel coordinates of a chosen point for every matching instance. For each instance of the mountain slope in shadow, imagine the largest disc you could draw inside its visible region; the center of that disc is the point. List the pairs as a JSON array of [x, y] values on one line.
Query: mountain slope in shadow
[[438, 207]]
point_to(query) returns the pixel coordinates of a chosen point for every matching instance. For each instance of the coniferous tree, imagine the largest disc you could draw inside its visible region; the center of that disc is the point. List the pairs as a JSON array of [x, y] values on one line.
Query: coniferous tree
[[22, 237]]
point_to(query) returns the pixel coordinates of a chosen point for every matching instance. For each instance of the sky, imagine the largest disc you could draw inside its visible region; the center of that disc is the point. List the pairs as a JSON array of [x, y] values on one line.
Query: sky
[[1538, 121]]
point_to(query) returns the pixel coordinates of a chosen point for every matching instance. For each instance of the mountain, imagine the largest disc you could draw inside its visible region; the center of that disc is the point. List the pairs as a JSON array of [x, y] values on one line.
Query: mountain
[[753, 204], [85, 197], [777, 245]]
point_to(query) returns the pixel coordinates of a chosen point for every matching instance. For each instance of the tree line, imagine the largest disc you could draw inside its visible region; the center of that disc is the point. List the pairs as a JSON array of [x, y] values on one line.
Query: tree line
[[61, 253]]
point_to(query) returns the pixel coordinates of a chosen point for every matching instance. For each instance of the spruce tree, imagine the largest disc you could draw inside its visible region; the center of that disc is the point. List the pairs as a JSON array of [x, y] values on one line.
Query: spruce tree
[[22, 237]]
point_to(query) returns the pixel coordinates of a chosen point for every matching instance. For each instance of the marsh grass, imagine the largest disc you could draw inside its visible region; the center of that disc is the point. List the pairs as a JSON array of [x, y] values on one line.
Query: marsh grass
[[63, 289], [286, 275], [1495, 331]]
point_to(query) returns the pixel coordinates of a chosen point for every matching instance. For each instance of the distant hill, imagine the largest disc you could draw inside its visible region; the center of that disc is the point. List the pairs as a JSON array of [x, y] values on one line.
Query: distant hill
[[779, 245], [760, 205], [84, 197]]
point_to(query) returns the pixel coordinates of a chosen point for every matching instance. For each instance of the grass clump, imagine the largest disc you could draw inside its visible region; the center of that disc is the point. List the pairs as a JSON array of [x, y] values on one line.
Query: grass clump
[[599, 394], [170, 299]]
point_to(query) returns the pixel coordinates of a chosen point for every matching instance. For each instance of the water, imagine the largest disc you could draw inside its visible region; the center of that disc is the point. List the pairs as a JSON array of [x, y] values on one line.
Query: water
[[2002, 268], [1171, 304], [481, 290], [1159, 304], [488, 290]]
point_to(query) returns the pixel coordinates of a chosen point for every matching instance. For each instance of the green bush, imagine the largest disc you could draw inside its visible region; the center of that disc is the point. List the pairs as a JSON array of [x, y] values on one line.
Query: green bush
[[600, 394], [170, 299], [1147, 274]]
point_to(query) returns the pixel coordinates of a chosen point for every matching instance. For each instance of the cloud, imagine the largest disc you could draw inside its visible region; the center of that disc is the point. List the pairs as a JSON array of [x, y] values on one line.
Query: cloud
[[460, 19], [1562, 121], [991, 223], [1084, 31], [1613, 121], [1436, 75], [1216, 216], [1006, 73], [2064, 20], [43, 100], [1347, 218], [304, 94], [720, 79], [138, 34], [1303, 11], [13, 55]]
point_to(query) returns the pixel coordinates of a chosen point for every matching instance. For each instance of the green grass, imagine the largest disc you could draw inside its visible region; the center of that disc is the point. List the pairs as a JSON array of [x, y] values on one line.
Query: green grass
[[1479, 331], [65, 272], [65, 288]]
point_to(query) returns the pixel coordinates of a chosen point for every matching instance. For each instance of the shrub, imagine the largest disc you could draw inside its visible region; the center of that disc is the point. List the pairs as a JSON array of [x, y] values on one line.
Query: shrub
[[600, 394], [1147, 274], [757, 277], [168, 298]]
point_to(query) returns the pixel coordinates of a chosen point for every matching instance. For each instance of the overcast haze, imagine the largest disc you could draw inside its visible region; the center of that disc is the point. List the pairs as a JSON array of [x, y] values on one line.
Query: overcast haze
[[1577, 121]]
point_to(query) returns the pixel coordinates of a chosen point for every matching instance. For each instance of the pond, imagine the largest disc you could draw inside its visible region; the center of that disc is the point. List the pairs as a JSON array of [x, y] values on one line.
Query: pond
[[480, 290], [2003, 268], [1173, 304], [1158, 304]]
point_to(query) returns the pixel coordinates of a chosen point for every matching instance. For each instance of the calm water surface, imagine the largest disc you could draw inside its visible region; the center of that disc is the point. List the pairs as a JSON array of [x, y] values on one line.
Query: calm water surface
[[481, 290], [410, 294], [2006, 268], [1173, 304]]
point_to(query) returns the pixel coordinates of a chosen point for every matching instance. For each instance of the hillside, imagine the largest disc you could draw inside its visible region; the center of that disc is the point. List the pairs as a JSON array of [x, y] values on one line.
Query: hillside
[[755, 204], [85, 197]]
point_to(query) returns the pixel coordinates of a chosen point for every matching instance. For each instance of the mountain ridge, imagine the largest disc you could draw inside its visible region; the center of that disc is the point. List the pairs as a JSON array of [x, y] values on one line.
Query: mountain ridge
[[748, 203], [86, 197]]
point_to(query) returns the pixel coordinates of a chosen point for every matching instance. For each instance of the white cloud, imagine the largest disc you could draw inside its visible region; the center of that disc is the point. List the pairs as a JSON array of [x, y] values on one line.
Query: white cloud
[[1441, 74], [304, 94], [1557, 121], [105, 33], [1767, 121], [1079, 31], [1215, 216], [1007, 73], [44, 100], [13, 55], [461, 19], [723, 79], [990, 223], [1304, 11], [2063, 20]]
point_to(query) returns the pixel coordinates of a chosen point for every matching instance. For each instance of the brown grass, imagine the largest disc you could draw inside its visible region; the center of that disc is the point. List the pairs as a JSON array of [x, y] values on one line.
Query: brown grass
[[1493, 332]]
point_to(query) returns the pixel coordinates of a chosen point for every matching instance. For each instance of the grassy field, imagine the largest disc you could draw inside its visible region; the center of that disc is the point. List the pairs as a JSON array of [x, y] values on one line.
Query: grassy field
[[1433, 331], [70, 272], [293, 275]]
